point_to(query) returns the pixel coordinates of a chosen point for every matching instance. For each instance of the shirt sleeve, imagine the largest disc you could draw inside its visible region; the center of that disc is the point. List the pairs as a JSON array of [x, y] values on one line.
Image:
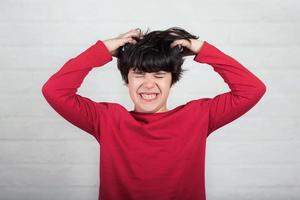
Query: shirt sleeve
[[60, 90], [246, 89]]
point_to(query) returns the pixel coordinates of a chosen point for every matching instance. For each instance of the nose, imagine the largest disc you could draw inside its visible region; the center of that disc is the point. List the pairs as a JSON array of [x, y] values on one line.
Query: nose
[[149, 83]]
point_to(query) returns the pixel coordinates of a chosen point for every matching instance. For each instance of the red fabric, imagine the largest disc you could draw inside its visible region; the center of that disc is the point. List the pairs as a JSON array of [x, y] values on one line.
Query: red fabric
[[148, 156]]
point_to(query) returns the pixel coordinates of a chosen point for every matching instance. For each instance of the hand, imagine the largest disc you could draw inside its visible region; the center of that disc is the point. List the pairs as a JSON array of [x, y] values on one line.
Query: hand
[[114, 43], [191, 48]]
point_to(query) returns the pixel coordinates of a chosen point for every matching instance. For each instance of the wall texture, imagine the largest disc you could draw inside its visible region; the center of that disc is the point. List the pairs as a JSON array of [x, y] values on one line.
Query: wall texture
[[43, 157]]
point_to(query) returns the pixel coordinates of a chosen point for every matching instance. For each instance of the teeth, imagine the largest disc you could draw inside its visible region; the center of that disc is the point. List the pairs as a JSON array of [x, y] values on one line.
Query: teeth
[[148, 97]]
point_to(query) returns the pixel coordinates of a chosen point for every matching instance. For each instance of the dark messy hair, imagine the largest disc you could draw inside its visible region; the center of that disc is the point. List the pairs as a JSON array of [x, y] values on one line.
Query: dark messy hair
[[152, 53]]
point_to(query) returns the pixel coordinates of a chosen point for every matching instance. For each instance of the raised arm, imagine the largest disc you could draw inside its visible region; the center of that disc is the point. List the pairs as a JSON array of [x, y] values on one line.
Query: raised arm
[[60, 90], [245, 88]]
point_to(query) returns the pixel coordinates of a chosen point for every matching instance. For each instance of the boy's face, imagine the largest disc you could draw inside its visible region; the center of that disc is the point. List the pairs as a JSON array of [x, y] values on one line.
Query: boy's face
[[142, 83]]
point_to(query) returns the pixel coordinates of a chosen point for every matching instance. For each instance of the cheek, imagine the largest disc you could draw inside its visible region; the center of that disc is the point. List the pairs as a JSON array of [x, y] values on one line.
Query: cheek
[[165, 91], [133, 88], [165, 84]]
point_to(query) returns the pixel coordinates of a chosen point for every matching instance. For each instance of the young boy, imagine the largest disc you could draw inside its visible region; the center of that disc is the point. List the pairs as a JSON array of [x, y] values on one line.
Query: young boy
[[152, 153]]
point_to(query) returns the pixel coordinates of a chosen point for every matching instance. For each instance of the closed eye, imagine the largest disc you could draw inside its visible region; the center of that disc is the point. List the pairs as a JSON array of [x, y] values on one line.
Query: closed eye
[[142, 76]]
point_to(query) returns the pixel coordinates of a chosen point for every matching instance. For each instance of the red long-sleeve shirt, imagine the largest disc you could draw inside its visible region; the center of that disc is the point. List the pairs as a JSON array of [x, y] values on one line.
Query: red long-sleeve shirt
[[152, 156]]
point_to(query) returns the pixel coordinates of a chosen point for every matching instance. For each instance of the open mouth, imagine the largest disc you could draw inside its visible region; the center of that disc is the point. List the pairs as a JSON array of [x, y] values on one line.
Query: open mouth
[[149, 97]]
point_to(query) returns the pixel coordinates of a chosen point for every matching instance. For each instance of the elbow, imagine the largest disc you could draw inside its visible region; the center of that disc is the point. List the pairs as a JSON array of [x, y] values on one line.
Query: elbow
[[49, 94], [45, 90], [261, 90]]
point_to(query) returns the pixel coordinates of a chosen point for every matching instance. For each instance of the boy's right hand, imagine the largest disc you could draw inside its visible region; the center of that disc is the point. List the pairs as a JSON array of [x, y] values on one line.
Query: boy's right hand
[[114, 43]]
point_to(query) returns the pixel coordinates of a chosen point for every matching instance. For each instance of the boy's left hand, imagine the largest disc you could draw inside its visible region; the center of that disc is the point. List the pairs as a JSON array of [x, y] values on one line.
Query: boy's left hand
[[191, 48]]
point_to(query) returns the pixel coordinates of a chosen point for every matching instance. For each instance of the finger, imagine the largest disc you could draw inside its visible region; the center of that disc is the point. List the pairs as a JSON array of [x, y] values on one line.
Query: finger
[[127, 40], [175, 43], [133, 32], [183, 43], [126, 34]]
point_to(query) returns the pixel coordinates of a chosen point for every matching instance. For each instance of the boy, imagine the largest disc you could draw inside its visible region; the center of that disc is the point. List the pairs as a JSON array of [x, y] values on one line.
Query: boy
[[152, 153]]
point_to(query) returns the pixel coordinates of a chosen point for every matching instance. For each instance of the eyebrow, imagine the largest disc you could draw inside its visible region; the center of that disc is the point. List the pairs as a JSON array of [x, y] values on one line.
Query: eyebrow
[[140, 72], [160, 72]]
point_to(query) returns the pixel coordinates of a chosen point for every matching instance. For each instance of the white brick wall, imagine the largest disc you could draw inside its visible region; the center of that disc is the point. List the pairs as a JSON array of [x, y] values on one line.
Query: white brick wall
[[44, 157]]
